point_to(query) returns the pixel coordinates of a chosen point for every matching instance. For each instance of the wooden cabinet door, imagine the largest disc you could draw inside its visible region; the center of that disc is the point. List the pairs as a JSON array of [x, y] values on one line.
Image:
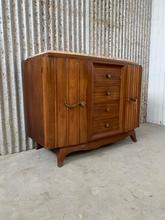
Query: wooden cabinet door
[[71, 102], [133, 91]]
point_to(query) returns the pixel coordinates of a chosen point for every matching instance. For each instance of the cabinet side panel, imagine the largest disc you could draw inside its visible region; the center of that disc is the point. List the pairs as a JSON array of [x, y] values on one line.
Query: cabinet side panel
[[133, 91], [49, 94], [33, 99]]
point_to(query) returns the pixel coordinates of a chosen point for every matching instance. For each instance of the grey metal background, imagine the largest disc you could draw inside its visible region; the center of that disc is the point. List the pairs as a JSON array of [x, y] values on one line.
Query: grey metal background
[[156, 82], [114, 28]]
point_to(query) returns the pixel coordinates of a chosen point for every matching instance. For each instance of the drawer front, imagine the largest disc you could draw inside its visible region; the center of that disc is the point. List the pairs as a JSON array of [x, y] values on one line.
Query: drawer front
[[106, 110], [106, 99], [107, 76], [105, 125], [106, 94]]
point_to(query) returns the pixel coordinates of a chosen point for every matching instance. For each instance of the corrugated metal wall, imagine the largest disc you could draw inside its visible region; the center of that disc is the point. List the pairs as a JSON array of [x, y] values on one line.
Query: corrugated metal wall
[[115, 28], [156, 91]]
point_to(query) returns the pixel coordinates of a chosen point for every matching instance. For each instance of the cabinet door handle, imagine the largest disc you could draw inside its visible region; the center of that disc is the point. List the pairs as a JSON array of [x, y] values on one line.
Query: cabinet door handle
[[132, 99], [82, 104]]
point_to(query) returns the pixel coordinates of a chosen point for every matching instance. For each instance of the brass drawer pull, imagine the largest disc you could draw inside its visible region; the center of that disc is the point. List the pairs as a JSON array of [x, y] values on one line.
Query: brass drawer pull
[[71, 105], [132, 99], [108, 93], [108, 76], [107, 125], [82, 104], [107, 109]]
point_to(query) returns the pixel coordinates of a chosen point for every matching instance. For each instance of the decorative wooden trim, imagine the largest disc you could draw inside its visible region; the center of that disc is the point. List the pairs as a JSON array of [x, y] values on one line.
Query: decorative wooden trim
[[64, 54], [63, 152]]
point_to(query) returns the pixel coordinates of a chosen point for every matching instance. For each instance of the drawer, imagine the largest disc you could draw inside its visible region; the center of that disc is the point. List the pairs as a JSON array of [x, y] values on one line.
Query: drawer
[[106, 111], [106, 93], [107, 76], [105, 125]]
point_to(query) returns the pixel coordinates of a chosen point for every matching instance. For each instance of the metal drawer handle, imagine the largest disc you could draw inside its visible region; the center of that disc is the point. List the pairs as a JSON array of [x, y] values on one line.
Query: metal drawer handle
[[107, 125], [108, 76], [132, 99], [82, 104], [108, 93]]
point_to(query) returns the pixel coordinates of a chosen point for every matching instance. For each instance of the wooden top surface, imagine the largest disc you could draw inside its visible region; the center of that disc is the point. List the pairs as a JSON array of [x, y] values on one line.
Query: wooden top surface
[[79, 55]]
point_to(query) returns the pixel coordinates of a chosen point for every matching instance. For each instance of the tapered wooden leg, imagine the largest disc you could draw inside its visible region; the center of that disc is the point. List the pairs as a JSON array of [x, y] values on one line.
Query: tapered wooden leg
[[133, 136], [38, 146], [60, 157]]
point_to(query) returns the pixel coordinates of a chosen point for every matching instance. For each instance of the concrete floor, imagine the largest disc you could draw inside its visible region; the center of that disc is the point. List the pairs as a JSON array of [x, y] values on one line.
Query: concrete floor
[[125, 181]]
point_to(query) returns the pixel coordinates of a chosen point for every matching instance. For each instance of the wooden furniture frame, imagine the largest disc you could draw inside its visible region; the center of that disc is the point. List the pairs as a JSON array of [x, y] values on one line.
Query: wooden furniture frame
[[77, 102]]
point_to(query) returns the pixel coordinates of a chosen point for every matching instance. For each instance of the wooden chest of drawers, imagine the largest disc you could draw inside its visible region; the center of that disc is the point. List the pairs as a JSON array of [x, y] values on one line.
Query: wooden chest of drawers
[[76, 102]]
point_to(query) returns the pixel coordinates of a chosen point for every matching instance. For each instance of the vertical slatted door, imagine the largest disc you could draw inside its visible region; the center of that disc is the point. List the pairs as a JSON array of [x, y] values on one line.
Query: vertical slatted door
[[71, 90], [133, 91]]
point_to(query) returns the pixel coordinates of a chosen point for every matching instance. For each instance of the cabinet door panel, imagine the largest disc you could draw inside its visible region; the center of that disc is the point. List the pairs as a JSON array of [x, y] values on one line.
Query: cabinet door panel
[[72, 89], [133, 91], [73, 98], [61, 94]]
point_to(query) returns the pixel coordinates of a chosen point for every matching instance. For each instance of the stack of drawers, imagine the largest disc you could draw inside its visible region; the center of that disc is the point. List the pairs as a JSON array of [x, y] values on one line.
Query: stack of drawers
[[107, 83]]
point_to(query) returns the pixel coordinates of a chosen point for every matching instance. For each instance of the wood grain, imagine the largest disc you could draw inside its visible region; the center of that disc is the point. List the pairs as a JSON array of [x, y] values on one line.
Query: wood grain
[[33, 98], [133, 90], [105, 125], [49, 103], [73, 86], [62, 111], [107, 110], [83, 111], [106, 93]]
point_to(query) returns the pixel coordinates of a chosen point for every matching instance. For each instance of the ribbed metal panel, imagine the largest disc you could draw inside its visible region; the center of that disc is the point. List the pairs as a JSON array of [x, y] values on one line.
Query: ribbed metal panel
[[118, 29], [156, 92]]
